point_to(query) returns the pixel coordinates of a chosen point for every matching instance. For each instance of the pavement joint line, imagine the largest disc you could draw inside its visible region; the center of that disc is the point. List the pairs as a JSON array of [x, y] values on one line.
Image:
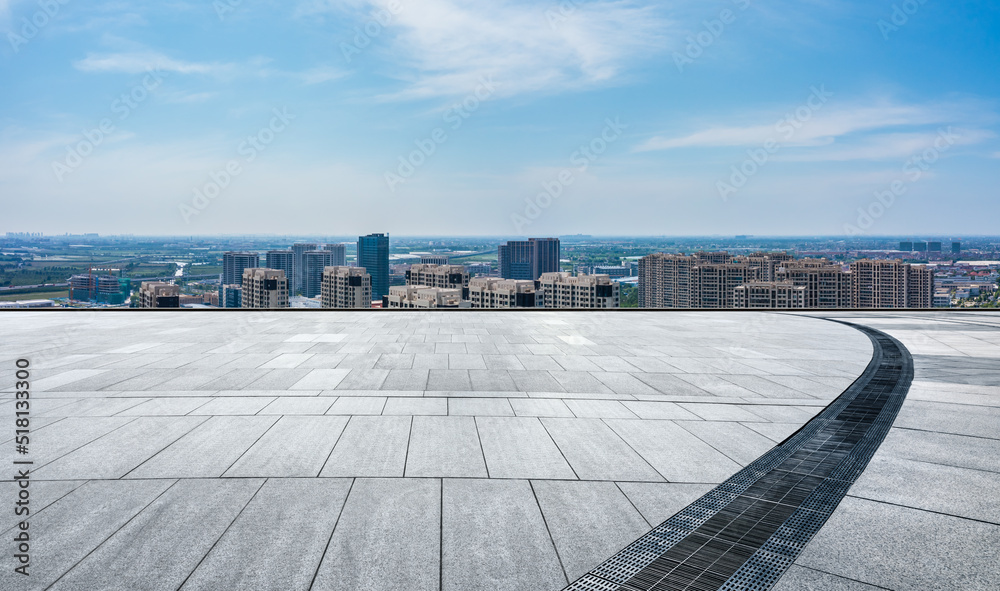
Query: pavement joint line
[[548, 530], [159, 451], [948, 433], [329, 540], [923, 510], [128, 521], [843, 577]]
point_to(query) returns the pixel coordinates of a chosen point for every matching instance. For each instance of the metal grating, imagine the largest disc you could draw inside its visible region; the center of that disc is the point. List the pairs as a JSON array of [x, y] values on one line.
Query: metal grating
[[746, 532]]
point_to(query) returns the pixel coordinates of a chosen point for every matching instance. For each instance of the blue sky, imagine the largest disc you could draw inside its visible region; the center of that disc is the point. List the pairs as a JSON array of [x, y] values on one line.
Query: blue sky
[[506, 117]]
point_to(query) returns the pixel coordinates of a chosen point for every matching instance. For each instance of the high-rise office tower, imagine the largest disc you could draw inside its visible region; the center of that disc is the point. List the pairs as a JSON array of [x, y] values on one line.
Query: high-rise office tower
[[282, 259], [339, 254], [934, 246], [956, 247], [346, 287], [528, 259], [906, 246], [264, 289], [296, 281], [373, 255], [313, 264], [233, 265]]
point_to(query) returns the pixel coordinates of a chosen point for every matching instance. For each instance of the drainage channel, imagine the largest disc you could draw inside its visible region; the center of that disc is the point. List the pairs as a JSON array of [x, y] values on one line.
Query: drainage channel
[[746, 532]]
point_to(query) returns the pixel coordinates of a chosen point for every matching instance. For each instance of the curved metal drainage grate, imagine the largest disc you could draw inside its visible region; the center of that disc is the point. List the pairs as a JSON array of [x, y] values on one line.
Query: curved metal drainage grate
[[746, 532]]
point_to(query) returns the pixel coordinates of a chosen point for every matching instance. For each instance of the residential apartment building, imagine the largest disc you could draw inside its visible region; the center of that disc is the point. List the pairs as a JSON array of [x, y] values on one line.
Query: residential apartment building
[[156, 294], [891, 284], [528, 259], [495, 293], [775, 295], [827, 285], [339, 254], [422, 297], [443, 276], [233, 265], [346, 288], [264, 289], [562, 290], [373, 255]]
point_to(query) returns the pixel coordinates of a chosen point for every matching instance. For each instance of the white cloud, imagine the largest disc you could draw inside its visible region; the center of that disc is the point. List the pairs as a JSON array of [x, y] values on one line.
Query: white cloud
[[143, 61], [443, 47]]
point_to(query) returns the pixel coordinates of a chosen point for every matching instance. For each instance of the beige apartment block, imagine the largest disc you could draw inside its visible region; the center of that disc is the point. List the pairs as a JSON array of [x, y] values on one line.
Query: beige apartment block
[[827, 285], [156, 294], [443, 276], [423, 297], [891, 284], [775, 295], [346, 288], [562, 290], [265, 289], [494, 293]]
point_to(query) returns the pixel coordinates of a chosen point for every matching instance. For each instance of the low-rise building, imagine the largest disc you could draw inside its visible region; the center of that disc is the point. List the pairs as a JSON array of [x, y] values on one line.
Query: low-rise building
[[562, 290], [230, 296], [494, 293], [265, 289], [422, 297], [156, 294], [346, 288]]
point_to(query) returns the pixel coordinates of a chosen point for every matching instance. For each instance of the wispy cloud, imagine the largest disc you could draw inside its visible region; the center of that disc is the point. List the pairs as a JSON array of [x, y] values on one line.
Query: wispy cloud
[[852, 131], [443, 47], [139, 62]]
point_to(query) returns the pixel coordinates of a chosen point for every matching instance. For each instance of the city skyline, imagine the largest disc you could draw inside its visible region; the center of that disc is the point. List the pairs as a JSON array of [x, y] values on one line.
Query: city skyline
[[598, 117]]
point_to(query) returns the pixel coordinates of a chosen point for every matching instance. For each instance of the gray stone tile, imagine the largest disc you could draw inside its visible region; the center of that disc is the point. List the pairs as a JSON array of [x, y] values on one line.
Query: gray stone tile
[[573, 381], [504, 517], [676, 454], [491, 380], [56, 440], [901, 548], [659, 410], [942, 448], [589, 522], [121, 450], [949, 418], [624, 383], [395, 361], [71, 534], [165, 407], [738, 443], [370, 447], [208, 450], [722, 412], [932, 487], [280, 379], [486, 407], [449, 380], [298, 406], [465, 361], [415, 406], [503, 362], [445, 447], [364, 379], [320, 379], [380, 518], [659, 502], [539, 363], [520, 447], [232, 406], [540, 407], [294, 447], [277, 542], [535, 381], [596, 453], [776, 432], [367, 405], [43, 495], [671, 384], [599, 409], [162, 545], [798, 578]]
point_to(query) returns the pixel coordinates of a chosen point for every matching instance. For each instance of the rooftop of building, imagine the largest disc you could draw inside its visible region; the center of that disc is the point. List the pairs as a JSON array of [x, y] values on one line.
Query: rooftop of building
[[477, 450]]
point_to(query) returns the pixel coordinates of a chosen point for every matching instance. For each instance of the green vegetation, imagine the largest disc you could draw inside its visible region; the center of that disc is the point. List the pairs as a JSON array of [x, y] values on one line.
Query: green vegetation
[[629, 296], [32, 294]]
